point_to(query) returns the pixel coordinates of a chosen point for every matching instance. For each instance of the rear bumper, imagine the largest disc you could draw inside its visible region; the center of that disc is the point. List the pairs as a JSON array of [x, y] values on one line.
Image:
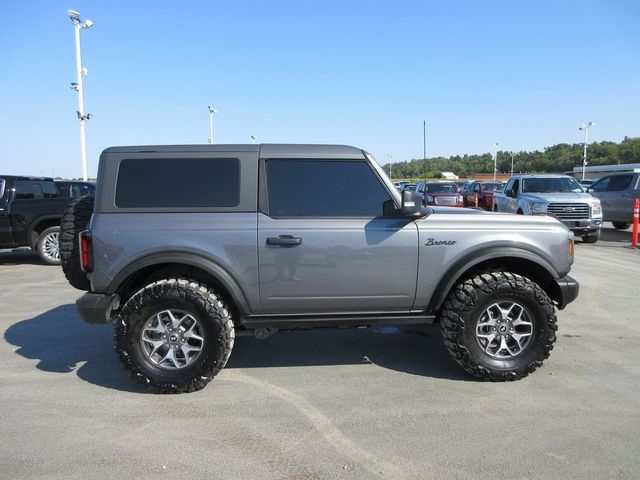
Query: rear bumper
[[568, 289], [96, 307]]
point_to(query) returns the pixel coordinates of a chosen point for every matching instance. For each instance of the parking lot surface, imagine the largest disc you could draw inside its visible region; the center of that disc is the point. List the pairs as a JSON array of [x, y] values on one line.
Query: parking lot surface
[[352, 404]]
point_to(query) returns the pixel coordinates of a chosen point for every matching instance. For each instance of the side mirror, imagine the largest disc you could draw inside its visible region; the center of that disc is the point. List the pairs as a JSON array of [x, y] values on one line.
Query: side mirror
[[409, 206], [510, 193]]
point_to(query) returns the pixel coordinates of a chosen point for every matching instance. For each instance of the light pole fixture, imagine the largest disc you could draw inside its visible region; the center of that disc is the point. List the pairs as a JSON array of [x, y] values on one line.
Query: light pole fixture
[[212, 112], [585, 127], [495, 158], [78, 86], [253, 139]]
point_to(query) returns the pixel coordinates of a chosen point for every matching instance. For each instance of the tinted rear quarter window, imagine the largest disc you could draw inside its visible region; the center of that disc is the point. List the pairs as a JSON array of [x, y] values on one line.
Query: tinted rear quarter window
[[324, 188], [30, 189], [178, 182]]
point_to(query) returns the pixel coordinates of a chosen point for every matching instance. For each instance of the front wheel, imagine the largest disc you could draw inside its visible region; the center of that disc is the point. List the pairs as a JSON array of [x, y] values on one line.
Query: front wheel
[[48, 246], [174, 336], [498, 326], [591, 237]]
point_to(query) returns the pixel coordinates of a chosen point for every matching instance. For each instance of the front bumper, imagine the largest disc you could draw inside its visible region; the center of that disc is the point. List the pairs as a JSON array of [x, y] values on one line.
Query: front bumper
[[96, 308], [567, 291], [583, 226]]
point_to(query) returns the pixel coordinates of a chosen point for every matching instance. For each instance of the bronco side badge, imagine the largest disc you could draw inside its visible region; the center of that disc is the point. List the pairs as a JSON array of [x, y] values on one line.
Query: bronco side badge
[[431, 242]]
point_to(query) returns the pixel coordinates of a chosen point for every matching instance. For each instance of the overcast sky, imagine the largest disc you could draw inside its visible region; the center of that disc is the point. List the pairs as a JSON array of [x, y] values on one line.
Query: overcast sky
[[363, 73]]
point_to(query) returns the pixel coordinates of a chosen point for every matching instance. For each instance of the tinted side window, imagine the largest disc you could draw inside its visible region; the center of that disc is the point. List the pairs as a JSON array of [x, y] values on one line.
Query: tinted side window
[[64, 189], [516, 184], [601, 185], [26, 190], [509, 184], [619, 182], [178, 182], [323, 188]]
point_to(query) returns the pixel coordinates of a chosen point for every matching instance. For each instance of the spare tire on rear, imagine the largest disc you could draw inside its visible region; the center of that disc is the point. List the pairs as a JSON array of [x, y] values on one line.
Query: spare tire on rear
[[75, 219]]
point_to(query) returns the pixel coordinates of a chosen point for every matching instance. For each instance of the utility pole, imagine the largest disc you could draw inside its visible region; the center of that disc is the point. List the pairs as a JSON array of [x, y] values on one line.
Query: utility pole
[[78, 86], [212, 112], [585, 127], [424, 147]]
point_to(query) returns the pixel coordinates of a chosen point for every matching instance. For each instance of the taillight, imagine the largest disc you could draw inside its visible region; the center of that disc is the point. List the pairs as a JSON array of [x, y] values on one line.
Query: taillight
[[86, 251]]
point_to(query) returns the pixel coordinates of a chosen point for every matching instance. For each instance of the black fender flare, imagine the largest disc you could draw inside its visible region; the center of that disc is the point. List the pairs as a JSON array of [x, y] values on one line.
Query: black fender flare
[[37, 221], [185, 258], [480, 255]]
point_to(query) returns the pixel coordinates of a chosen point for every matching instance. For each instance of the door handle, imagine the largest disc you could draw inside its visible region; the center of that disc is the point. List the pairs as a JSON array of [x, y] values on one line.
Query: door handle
[[284, 241]]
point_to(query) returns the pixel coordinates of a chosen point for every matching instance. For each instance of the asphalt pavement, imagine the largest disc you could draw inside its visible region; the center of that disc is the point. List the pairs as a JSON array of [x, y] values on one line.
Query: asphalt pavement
[[383, 403]]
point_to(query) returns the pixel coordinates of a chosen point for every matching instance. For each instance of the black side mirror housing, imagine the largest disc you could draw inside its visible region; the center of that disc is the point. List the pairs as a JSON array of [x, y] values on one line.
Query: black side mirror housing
[[510, 193], [410, 207]]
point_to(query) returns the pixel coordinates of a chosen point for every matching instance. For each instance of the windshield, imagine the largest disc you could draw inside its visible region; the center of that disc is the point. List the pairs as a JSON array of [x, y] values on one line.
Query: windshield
[[551, 185], [440, 188]]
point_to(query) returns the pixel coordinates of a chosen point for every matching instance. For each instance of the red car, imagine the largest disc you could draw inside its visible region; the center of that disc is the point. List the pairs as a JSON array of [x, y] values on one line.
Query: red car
[[444, 194]]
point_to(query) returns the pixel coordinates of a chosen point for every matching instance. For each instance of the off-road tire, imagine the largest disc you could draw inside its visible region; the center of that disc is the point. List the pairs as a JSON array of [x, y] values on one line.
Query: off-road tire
[[621, 225], [591, 237], [48, 246], [464, 307], [187, 296], [75, 219]]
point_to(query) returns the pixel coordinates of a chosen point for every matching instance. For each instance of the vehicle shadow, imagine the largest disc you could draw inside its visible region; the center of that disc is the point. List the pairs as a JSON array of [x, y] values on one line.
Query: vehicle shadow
[[417, 350], [610, 237], [20, 256], [62, 343]]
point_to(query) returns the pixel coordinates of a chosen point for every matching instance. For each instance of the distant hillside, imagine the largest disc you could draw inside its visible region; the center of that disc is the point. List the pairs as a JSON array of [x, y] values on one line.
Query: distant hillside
[[558, 158]]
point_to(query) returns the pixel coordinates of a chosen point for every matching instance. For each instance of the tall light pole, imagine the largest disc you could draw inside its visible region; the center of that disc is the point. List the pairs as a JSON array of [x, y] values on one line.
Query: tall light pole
[[78, 86], [495, 159], [390, 157], [585, 127], [512, 164], [212, 112]]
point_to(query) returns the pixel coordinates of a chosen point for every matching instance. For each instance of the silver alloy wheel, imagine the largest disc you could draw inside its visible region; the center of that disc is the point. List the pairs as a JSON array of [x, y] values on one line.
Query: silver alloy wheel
[[504, 330], [172, 339], [51, 246]]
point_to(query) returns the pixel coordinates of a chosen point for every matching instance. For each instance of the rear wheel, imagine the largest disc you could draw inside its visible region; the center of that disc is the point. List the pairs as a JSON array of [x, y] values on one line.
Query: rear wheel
[[174, 336], [498, 326], [591, 237], [621, 225], [48, 246]]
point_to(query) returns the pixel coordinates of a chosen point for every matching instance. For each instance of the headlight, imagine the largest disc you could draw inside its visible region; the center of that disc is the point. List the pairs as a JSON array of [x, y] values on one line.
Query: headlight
[[430, 199], [596, 209], [538, 207], [459, 199]]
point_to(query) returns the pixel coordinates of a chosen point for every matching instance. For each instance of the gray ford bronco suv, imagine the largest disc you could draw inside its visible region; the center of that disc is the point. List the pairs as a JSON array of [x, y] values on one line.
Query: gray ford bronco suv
[[186, 246]]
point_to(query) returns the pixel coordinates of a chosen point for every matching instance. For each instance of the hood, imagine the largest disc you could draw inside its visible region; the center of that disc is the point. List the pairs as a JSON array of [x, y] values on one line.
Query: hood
[[559, 197], [476, 218]]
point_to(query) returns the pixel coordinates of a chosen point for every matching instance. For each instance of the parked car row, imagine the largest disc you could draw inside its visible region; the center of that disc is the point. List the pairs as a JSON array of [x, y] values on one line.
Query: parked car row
[[31, 209]]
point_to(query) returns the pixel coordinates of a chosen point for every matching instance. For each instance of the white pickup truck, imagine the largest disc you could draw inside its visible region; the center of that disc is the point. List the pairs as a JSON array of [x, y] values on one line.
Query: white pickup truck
[[559, 196]]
